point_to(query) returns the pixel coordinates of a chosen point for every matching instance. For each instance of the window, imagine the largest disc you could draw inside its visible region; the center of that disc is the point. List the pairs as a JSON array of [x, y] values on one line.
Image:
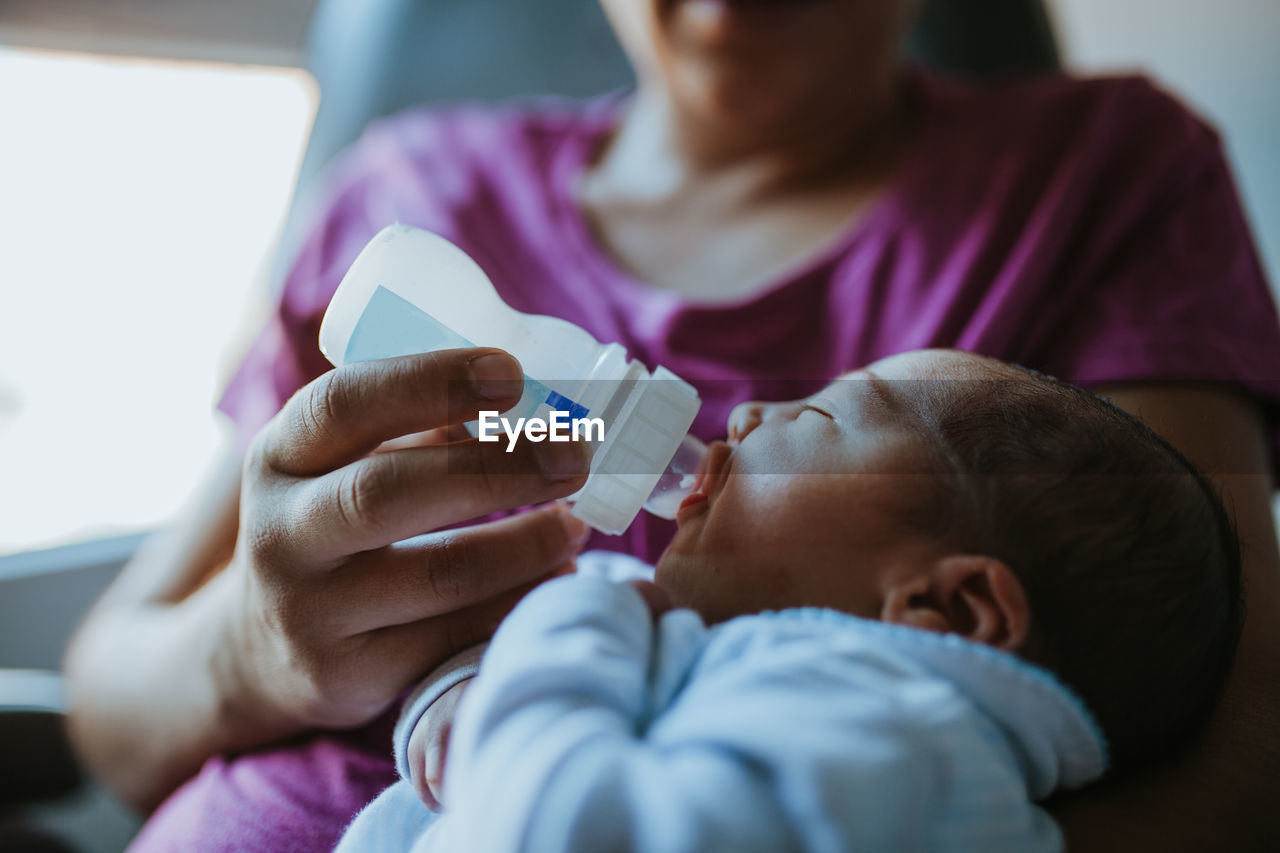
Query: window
[[139, 201]]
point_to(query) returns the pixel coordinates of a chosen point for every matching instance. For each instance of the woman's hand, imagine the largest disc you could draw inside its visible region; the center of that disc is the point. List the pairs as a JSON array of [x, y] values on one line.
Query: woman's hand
[[288, 599], [334, 612]]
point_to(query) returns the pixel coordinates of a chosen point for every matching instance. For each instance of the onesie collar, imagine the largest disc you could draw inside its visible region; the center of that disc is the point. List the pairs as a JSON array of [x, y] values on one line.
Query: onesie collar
[[1057, 741]]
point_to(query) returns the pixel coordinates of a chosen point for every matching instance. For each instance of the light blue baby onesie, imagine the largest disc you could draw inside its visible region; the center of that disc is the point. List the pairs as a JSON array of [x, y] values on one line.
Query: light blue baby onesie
[[590, 728]]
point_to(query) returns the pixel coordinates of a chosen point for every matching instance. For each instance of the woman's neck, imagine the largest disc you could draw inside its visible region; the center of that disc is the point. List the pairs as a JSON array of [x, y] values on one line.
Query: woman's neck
[[716, 217], [660, 154]]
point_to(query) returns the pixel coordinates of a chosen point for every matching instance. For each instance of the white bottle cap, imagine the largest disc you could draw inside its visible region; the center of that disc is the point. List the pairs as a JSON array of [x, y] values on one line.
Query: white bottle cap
[[647, 432]]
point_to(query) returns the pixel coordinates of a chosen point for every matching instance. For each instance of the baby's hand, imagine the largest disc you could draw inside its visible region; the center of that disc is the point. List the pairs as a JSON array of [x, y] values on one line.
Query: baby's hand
[[429, 743]]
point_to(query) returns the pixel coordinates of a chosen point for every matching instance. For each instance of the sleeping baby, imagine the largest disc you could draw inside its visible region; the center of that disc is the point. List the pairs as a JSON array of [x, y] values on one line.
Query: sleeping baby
[[896, 615]]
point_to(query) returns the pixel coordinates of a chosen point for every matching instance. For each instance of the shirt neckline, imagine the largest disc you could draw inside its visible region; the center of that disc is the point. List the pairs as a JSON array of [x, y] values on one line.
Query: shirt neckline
[[569, 163]]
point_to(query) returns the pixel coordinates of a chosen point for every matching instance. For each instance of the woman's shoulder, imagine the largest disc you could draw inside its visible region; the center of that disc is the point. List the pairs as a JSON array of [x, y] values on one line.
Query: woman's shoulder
[[483, 137], [1123, 101], [1112, 129], [470, 172]]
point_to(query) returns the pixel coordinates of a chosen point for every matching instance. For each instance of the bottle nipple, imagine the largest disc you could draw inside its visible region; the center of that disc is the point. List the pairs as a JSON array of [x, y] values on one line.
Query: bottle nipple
[[678, 480]]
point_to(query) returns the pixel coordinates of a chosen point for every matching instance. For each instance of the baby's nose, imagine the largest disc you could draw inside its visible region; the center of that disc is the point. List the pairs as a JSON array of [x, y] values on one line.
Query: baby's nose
[[743, 419], [747, 416]]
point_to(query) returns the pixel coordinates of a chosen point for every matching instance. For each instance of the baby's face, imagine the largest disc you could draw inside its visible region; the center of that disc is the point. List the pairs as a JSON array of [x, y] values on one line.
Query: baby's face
[[804, 504]]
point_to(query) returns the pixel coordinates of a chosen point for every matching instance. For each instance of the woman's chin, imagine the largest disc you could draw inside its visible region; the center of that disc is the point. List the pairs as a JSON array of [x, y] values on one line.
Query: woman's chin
[[736, 94], [728, 20]]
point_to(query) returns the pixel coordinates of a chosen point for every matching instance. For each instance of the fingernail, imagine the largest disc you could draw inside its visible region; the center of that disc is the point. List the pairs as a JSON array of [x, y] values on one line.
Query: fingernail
[[577, 529], [563, 460], [496, 376]]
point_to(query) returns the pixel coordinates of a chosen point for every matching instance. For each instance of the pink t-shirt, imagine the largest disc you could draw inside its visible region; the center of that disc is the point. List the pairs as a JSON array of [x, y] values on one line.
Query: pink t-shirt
[[1086, 228]]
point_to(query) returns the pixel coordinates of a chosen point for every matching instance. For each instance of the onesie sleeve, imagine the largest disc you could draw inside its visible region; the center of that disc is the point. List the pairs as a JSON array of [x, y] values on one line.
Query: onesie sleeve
[[457, 669], [567, 671]]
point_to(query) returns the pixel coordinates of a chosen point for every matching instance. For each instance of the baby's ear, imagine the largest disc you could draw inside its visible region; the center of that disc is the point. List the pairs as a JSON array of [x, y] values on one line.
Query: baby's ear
[[974, 596]]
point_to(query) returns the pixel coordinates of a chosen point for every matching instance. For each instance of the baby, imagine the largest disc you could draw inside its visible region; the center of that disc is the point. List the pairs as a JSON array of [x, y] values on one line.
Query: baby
[[939, 590]]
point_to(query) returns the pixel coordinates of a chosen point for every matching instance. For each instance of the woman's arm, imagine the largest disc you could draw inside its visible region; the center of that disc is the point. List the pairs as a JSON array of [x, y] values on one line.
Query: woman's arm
[[142, 670], [1221, 793], [301, 592]]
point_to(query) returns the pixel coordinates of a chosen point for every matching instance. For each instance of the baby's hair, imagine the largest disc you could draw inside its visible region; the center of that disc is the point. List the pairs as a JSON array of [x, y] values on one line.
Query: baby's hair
[[1130, 563]]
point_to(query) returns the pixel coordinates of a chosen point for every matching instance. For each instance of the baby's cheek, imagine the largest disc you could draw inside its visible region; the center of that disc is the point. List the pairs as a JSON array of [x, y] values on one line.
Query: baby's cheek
[[774, 580], [676, 572]]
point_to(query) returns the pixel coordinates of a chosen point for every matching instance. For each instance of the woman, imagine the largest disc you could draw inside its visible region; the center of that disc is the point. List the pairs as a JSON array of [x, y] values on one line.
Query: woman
[[779, 201]]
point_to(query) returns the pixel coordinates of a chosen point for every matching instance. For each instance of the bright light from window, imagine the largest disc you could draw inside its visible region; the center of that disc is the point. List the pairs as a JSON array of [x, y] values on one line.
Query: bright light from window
[[138, 204]]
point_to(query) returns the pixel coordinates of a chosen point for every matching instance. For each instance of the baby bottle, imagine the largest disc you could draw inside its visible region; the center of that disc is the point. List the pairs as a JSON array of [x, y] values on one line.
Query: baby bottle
[[410, 291]]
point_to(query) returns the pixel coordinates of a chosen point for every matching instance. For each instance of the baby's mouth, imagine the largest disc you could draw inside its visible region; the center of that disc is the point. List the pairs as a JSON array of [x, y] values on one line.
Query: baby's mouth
[[710, 475]]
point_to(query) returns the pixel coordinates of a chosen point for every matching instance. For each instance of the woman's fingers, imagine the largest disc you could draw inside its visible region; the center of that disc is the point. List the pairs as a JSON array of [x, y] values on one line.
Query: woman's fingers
[[403, 654], [426, 438], [348, 412], [335, 682], [339, 617], [387, 497], [450, 570]]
